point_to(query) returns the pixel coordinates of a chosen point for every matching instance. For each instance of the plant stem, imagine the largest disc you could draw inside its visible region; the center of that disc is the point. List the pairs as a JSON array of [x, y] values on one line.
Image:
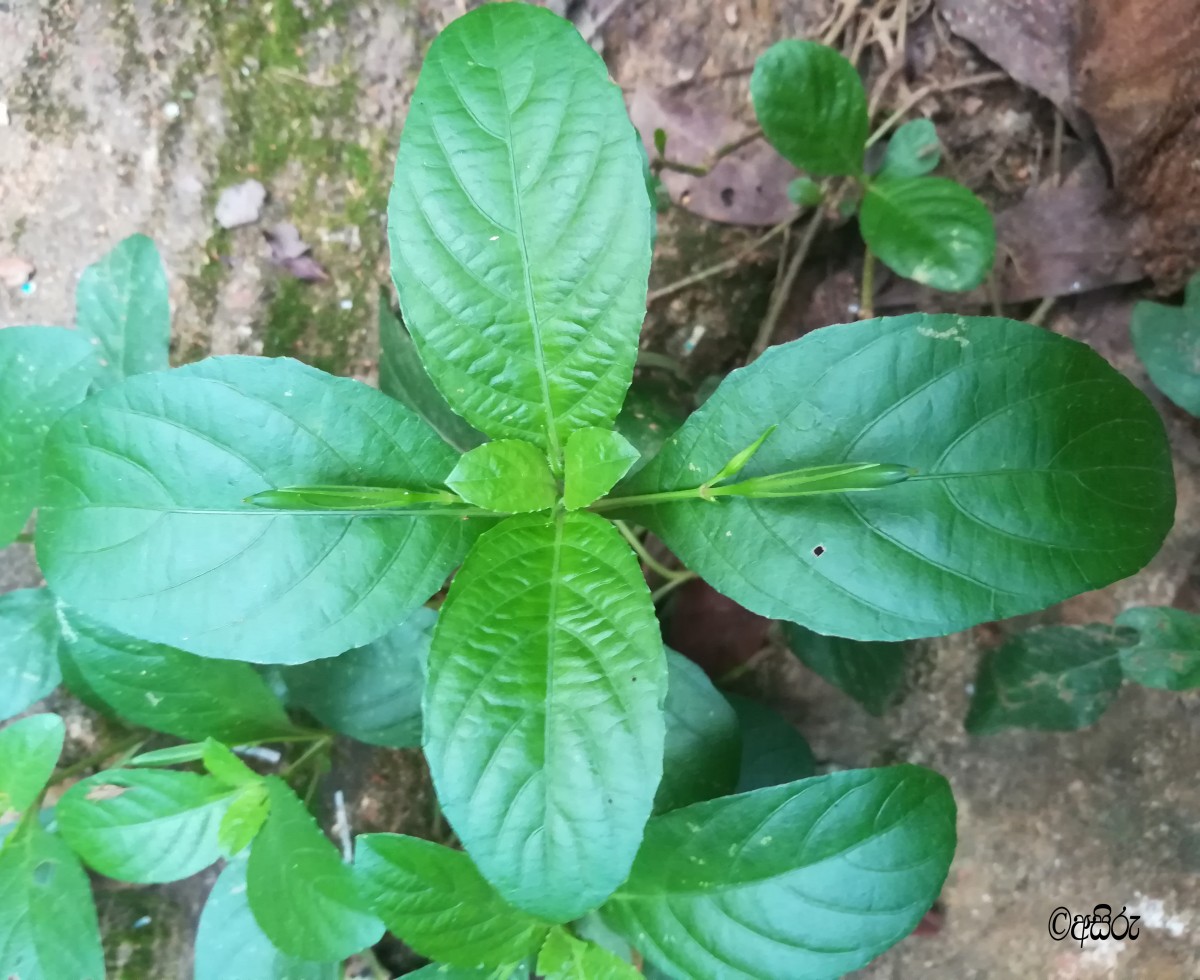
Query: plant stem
[[671, 585], [121, 746], [783, 290], [657, 567], [1038, 316], [866, 299], [710, 161], [307, 754], [729, 265]]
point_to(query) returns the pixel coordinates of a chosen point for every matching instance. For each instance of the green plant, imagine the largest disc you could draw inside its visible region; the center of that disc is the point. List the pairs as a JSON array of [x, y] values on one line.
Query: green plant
[[812, 108], [1167, 340], [1060, 678], [882, 480]]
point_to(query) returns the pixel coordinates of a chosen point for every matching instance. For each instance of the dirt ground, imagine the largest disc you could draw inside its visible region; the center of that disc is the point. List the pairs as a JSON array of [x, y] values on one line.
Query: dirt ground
[[119, 116]]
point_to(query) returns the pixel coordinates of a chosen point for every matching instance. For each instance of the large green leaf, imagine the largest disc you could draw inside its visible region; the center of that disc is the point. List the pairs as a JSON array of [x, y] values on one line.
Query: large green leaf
[[121, 306], [1167, 340], [43, 372], [434, 899], [703, 745], [811, 879], [48, 927], [372, 693], [29, 751], [28, 649], [543, 710], [507, 476], [302, 895], [1055, 677], [403, 377], [1167, 651], [166, 689], [520, 237], [144, 525], [1041, 473], [231, 946], [812, 108], [564, 957], [929, 229], [145, 825], [913, 150], [871, 673], [773, 752]]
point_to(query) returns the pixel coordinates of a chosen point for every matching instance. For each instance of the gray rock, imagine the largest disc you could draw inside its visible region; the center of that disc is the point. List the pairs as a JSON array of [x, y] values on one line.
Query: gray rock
[[240, 204]]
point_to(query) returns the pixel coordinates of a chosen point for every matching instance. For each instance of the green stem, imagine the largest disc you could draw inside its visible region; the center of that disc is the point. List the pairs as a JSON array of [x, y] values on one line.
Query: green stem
[[671, 585], [808, 481], [866, 299], [657, 567], [122, 746], [307, 754]]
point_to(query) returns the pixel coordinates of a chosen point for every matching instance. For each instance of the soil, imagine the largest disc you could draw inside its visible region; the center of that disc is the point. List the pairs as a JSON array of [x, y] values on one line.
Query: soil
[[119, 116]]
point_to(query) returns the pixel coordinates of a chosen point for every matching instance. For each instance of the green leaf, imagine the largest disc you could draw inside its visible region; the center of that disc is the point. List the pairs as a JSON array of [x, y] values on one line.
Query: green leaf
[[773, 752], [930, 230], [48, 927], [144, 524], [43, 372], [519, 234], [1055, 678], [1041, 473], [543, 710], [372, 693], [1167, 340], [29, 751], [231, 946], [703, 745], [121, 306], [812, 879], [145, 825], [871, 673], [564, 957], [811, 105], [303, 897], [805, 192], [403, 377], [244, 818], [743, 456], [509, 476], [165, 689], [226, 767], [434, 899], [595, 459], [913, 150], [1167, 651], [28, 649]]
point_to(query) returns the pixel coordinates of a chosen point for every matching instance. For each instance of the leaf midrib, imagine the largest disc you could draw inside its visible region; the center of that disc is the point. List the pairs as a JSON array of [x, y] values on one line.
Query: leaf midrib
[[552, 444]]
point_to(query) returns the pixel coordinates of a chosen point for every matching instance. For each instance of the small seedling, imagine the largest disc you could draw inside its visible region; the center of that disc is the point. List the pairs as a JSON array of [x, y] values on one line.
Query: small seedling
[[812, 108]]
